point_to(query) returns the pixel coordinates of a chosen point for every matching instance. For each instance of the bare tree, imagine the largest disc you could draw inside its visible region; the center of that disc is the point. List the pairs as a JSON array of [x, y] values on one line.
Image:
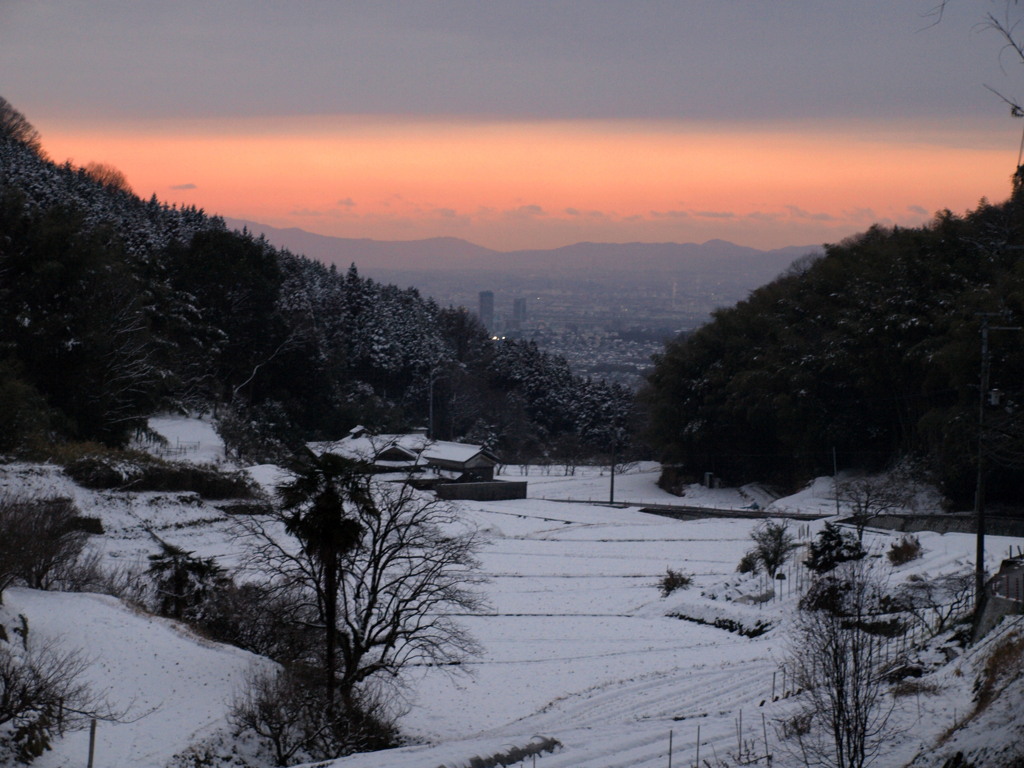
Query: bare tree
[[277, 707], [937, 603], [287, 709], [401, 585], [37, 538], [413, 565], [1007, 27], [14, 125], [108, 175], [869, 497], [41, 696], [842, 663]]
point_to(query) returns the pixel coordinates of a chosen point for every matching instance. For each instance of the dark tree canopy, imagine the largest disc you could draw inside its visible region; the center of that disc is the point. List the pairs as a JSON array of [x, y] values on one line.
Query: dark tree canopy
[[112, 306], [872, 351], [14, 126]]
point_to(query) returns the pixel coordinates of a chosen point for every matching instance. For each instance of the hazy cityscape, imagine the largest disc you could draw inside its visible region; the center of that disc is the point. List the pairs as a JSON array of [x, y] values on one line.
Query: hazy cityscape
[[605, 329]]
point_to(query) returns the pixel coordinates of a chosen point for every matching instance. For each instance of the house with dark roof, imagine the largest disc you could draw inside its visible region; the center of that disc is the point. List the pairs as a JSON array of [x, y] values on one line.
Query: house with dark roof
[[460, 470]]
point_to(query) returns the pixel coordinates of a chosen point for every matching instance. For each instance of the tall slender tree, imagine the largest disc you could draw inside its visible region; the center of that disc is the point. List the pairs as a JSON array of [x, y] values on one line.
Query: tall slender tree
[[315, 502]]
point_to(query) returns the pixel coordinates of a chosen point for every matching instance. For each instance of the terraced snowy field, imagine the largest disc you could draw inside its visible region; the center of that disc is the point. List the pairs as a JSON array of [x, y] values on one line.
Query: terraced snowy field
[[578, 644]]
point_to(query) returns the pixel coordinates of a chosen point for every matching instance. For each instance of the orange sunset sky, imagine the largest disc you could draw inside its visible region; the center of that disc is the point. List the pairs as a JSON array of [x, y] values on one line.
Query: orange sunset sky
[[528, 128]]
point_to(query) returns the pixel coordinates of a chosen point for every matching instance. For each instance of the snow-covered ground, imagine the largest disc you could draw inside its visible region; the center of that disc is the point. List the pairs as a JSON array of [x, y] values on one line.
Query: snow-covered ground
[[578, 643], [186, 439], [637, 486], [168, 687]]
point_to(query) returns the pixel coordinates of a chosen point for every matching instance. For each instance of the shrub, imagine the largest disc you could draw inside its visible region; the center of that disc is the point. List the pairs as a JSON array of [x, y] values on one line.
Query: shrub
[[673, 479], [42, 695], [126, 470], [832, 547], [183, 583], [106, 470], [827, 593], [288, 711], [24, 415], [673, 580], [261, 618], [908, 548], [126, 582], [38, 538], [772, 544], [749, 563]]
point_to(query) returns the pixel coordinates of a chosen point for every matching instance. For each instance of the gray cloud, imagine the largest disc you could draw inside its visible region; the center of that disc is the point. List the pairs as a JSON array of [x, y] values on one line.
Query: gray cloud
[[616, 59], [525, 212], [799, 213], [184, 186], [864, 214], [763, 216]]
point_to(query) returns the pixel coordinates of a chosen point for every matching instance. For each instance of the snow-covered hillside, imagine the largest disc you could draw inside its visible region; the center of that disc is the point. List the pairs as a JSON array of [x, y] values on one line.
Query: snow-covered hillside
[[579, 645]]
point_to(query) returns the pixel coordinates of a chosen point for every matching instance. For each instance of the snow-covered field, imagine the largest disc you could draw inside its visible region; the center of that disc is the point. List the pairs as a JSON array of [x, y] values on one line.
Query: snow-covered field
[[578, 643]]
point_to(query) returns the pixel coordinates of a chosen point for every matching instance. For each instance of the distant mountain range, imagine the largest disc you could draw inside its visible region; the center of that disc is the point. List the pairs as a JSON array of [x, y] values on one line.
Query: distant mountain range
[[637, 263]]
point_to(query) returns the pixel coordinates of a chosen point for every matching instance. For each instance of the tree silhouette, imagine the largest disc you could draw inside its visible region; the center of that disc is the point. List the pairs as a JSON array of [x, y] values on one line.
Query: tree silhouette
[[315, 505], [386, 569], [14, 125], [183, 582]]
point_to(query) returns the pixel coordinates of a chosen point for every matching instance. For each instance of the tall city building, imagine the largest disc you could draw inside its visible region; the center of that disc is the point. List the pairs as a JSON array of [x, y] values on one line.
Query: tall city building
[[487, 309], [518, 312]]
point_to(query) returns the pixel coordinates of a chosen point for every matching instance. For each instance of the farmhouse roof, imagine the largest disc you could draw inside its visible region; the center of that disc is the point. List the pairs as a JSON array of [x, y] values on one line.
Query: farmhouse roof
[[406, 450], [456, 453]]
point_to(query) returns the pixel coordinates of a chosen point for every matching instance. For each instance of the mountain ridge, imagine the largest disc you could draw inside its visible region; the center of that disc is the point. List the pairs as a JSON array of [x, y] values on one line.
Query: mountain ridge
[[714, 256]]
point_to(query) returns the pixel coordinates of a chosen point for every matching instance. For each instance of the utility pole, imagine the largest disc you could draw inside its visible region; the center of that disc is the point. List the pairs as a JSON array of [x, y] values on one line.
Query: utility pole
[[835, 478], [430, 408], [611, 487], [617, 440], [434, 376], [979, 487]]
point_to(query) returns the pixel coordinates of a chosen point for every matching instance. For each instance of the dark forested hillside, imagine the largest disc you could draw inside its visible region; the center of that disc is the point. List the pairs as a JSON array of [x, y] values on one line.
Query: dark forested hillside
[[112, 307], [873, 351]]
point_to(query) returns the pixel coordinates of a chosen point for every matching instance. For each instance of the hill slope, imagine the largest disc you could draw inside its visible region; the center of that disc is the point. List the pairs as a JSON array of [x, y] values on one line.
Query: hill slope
[[864, 357], [632, 263], [112, 307]]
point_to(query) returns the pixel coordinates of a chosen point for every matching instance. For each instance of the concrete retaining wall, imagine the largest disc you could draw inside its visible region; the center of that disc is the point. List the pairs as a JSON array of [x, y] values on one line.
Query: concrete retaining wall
[[498, 490], [992, 613], [948, 523]]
